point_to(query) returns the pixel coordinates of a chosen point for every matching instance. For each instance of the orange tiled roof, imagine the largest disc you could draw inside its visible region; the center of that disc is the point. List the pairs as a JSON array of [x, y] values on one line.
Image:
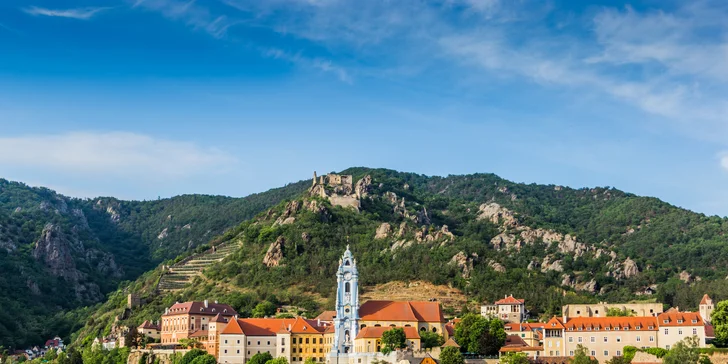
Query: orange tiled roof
[[510, 300], [705, 299], [611, 324], [272, 326], [679, 319], [450, 342], [199, 333], [198, 308], [514, 340], [148, 326], [377, 332], [414, 311], [554, 323], [526, 326], [327, 316]]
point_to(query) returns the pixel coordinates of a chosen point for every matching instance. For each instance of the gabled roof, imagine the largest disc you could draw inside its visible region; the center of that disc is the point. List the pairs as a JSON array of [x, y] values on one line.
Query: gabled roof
[[706, 300], [554, 323], [219, 318], [199, 333], [199, 308], [509, 300], [273, 326], [411, 311], [514, 340], [148, 326], [327, 316], [648, 323], [378, 331], [679, 319], [450, 342]]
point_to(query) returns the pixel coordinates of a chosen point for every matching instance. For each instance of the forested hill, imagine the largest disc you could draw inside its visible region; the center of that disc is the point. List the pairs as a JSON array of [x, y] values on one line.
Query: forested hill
[[58, 253], [479, 233]]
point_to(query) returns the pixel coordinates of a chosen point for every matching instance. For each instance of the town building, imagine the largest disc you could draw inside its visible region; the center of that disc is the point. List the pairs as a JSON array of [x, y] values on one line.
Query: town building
[[191, 320], [508, 309], [530, 332], [677, 326], [706, 308], [150, 330], [601, 309]]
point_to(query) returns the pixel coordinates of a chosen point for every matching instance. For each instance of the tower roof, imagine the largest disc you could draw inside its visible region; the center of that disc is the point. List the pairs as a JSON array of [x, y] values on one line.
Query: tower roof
[[347, 253], [706, 299]]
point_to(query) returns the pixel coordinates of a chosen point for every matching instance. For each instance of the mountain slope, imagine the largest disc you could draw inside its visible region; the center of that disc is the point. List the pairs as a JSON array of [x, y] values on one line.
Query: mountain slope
[[59, 253], [479, 233]]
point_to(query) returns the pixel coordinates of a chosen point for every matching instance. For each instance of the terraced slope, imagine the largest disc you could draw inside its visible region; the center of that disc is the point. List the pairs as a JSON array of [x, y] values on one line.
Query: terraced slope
[[181, 274]]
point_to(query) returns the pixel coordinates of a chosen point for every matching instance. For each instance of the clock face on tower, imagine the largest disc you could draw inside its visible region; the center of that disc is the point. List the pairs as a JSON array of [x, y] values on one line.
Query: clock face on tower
[[347, 276]]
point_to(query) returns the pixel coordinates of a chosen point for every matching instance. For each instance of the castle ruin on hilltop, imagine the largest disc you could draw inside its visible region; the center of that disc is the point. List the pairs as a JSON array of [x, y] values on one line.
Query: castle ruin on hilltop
[[339, 189]]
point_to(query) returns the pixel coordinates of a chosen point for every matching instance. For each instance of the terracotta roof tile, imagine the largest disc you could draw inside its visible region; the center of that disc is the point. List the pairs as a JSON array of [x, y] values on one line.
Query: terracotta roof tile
[[679, 319], [510, 300], [706, 300], [327, 316], [412, 311], [198, 308], [554, 323], [272, 326], [611, 324]]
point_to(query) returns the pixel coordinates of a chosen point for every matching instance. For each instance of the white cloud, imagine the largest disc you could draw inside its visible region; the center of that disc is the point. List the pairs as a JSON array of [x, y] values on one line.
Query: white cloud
[[195, 16], [77, 13], [121, 154], [724, 160], [321, 64]]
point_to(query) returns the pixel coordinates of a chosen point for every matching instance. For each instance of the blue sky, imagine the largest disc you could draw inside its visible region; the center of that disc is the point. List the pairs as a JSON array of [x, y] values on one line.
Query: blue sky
[[146, 98]]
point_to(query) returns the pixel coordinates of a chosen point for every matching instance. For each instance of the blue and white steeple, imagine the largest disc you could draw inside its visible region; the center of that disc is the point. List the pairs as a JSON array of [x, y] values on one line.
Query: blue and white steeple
[[347, 304]]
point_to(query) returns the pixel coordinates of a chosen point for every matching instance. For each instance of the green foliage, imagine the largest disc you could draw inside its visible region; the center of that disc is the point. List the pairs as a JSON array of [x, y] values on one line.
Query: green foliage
[[191, 355], [430, 339], [279, 360], [616, 312], [658, 352], [206, 359], [261, 358], [683, 352], [451, 355], [515, 358], [477, 334], [629, 352], [264, 309], [190, 343], [394, 339], [309, 361], [581, 356], [704, 359], [720, 323], [619, 360]]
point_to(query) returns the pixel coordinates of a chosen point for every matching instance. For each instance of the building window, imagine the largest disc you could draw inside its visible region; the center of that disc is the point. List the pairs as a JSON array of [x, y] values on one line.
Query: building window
[[293, 359], [248, 342], [679, 331], [225, 341], [225, 351], [258, 342], [639, 339], [571, 352], [238, 341], [283, 341], [666, 332], [695, 331], [606, 352], [593, 339], [579, 339], [619, 352], [652, 338], [306, 340], [321, 340], [238, 351], [606, 339], [619, 339], [268, 342], [593, 353]]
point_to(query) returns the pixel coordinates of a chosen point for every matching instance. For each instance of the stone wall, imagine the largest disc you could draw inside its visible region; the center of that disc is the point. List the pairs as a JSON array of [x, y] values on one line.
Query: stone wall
[[165, 356]]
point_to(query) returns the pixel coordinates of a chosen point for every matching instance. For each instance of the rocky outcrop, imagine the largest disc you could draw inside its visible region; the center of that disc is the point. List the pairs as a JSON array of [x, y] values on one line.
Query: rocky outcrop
[[163, 234], [629, 268], [463, 263], [590, 286], [685, 276], [547, 265], [496, 266], [383, 231], [503, 241], [496, 214], [306, 237], [319, 209], [54, 250], [362, 187], [423, 218], [402, 230], [287, 216], [275, 253]]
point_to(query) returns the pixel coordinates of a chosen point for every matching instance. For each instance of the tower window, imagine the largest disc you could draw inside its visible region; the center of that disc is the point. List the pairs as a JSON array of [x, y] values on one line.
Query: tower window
[[347, 263], [347, 287]]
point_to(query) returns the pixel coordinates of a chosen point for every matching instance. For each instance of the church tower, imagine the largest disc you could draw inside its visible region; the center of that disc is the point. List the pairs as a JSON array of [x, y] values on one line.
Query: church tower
[[346, 322]]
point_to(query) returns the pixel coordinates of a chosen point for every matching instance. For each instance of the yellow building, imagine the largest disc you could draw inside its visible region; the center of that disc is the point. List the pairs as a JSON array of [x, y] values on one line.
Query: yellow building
[[424, 316], [369, 339]]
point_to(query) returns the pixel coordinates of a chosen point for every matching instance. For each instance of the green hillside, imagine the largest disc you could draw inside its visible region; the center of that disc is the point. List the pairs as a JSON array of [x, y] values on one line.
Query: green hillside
[[59, 253], [484, 235]]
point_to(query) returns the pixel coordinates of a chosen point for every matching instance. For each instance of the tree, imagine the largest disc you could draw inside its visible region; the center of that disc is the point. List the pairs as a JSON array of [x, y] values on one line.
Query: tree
[[205, 359], [720, 323], [431, 339], [191, 355], [683, 352], [581, 356], [394, 339], [309, 361], [477, 334], [451, 355], [629, 352], [260, 358], [278, 360], [263, 309], [616, 312], [190, 343], [704, 359], [619, 360], [515, 358]]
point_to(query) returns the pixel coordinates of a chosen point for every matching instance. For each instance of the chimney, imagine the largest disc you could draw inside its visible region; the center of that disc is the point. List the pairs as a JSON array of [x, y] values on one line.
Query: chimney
[[166, 310], [289, 327], [205, 303], [318, 322]]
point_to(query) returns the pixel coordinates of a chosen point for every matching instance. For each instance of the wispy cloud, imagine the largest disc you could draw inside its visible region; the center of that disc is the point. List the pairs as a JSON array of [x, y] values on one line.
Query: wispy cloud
[[724, 160], [321, 64], [76, 13], [196, 16], [122, 154]]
